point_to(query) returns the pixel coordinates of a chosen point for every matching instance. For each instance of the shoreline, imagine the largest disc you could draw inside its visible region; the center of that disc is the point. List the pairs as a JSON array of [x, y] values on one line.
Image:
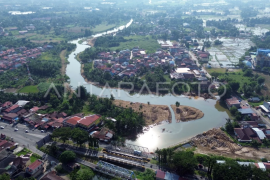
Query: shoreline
[[153, 114], [189, 95], [186, 113]]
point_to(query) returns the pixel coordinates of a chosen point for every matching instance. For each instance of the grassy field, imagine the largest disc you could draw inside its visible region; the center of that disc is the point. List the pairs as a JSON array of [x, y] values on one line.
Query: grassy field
[[238, 77], [144, 42], [23, 152], [103, 27], [29, 89], [266, 90], [46, 56], [221, 70], [41, 38]]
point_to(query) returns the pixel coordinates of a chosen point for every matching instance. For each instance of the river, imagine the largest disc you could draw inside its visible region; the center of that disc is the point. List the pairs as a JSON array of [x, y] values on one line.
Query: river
[[174, 132]]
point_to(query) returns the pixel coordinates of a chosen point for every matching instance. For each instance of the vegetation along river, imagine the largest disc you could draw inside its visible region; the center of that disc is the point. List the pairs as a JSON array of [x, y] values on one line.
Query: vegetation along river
[[155, 137]]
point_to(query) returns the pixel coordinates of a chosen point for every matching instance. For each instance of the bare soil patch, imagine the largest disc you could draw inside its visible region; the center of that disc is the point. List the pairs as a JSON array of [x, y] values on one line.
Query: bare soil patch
[[91, 42], [153, 114], [186, 113], [215, 141]]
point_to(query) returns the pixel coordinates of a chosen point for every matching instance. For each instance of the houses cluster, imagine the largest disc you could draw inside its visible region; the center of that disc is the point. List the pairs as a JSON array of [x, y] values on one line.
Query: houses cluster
[[250, 129], [21, 165], [13, 113], [15, 57], [127, 63], [261, 165]]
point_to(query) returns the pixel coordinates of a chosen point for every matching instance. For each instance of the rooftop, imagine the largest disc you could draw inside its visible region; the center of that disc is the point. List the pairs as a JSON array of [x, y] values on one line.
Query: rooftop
[[245, 111], [35, 164], [74, 120], [88, 120], [51, 176], [183, 70], [232, 101]]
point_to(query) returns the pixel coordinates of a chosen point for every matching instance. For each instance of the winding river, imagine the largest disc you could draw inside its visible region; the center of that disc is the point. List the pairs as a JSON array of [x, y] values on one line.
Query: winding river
[[174, 132]]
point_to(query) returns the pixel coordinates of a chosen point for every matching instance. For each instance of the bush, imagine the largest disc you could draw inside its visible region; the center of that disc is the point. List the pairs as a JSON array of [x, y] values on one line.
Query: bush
[[67, 156]]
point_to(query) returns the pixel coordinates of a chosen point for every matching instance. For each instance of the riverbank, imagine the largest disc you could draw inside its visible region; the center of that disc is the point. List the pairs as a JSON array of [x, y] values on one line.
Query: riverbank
[[186, 113], [63, 62], [91, 42], [153, 114], [217, 142]]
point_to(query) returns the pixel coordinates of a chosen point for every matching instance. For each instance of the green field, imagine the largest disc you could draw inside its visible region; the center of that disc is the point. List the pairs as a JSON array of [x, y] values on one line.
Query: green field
[[29, 89], [144, 42], [46, 56], [41, 38], [23, 152], [266, 90], [238, 77], [103, 27], [220, 70]]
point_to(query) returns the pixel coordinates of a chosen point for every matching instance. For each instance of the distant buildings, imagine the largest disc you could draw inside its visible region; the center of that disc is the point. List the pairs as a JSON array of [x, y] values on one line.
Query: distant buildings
[[263, 57]]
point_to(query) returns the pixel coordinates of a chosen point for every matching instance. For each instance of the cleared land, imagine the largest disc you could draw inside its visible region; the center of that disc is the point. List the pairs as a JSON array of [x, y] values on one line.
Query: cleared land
[[186, 113], [153, 114], [29, 89], [215, 141]]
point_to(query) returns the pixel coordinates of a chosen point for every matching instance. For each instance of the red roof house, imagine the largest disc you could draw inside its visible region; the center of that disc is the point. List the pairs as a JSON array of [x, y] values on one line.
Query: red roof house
[[72, 121], [35, 167], [87, 121]]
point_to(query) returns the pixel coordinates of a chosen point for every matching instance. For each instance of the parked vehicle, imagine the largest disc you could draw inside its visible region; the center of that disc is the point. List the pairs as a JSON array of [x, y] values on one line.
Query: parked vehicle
[[16, 129], [2, 127], [118, 149], [42, 131], [26, 131], [137, 153]]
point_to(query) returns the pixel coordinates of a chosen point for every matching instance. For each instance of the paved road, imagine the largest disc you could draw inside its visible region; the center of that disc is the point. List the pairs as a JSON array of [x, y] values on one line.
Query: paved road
[[193, 57], [24, 139]]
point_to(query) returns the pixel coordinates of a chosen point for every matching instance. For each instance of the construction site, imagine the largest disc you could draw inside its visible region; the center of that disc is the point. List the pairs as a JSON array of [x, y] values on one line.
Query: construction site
[[186, 113], [153, 114], [216, 142]]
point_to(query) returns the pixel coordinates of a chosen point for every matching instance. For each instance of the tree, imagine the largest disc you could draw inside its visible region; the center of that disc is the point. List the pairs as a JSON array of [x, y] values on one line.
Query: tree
[[248, 72], [79, 136], [112, 98], [261, 80], [4, 176], [211, 163], [234, 85], [255, 143], [229, 126], [227, 90], [184, 162], [85, 174], [257, 88], [67, 156], [233, 110], [177, 104], [62, 133]]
